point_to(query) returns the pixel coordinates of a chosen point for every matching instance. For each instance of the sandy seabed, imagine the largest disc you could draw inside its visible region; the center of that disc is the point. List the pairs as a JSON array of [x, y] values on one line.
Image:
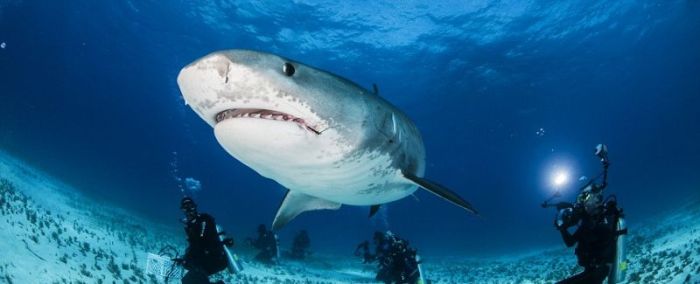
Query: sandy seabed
[[52, 234]]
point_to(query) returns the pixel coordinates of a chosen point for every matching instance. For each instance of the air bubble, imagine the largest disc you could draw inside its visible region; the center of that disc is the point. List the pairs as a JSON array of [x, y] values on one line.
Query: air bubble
[[540, 132]]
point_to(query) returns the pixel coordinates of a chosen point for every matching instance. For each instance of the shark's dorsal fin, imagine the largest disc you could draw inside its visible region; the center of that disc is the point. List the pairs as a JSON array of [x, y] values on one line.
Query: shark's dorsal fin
[[295, 203], [441, 191], [373, 210]]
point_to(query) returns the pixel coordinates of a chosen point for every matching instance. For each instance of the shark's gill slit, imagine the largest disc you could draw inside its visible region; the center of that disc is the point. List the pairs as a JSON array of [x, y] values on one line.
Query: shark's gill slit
[[263, 114]]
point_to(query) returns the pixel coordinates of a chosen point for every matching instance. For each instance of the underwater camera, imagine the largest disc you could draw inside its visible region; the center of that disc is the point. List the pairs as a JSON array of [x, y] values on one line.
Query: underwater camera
[[568, 214], [566, 217]]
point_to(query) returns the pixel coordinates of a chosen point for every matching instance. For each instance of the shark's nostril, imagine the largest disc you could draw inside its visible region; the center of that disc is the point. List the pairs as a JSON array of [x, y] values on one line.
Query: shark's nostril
[[228, 69], [218, 62]]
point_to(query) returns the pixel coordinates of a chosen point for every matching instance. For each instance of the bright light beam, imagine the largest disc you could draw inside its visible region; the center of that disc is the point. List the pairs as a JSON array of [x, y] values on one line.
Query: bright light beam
[[560, 178]]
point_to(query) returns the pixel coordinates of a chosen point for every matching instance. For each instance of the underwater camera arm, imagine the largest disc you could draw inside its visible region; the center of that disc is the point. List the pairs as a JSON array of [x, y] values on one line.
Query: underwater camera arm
[[601, 151], [558, 205]]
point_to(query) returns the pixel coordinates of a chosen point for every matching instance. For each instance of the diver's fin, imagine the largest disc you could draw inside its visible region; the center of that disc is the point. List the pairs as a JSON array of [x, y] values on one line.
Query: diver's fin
[[373, 210], [441, 191], [295, 203], [375, 89]]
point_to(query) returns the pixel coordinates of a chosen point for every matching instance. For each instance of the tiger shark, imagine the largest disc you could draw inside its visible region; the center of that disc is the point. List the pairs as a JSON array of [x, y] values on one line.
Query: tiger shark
[[326, 139]]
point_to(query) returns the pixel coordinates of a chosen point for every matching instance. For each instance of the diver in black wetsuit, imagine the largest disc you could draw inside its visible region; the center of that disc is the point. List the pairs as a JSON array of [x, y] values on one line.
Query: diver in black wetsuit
[[397, 262], [267, 244], [362, 250], [380, 247], [381, 243], [205, 254], [300, 245], [596, 238], [597, 232]]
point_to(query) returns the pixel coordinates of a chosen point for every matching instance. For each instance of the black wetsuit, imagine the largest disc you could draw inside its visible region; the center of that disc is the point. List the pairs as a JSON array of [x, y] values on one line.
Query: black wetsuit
[[397, 262], [596, 238], [363, 250], [267, 244], [205, 254], [300, 245]]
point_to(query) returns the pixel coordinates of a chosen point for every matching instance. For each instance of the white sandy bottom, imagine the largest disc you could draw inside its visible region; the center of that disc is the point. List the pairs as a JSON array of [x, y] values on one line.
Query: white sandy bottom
[[51, 234]]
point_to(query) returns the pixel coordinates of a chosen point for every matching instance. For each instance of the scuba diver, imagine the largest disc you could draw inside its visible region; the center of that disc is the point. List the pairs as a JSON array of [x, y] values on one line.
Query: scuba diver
[[300, 245], [205, 254], [397, 262], [363, 251], [380, 247], [267, 244], [599, 230]]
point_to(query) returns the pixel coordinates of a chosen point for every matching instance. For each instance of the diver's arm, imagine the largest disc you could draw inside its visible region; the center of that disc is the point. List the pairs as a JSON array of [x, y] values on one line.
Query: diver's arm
[[187, 257], [602, 153], [360, 246], [606, 164], [568, 238]]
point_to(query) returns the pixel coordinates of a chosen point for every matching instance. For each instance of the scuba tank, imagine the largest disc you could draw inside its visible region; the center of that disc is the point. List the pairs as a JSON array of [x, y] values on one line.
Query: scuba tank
[[235, 265], [618, 271], [421, 276]]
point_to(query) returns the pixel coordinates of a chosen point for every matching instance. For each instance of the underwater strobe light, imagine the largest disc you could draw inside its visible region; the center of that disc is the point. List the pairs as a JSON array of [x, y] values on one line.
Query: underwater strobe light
[[560, 178]]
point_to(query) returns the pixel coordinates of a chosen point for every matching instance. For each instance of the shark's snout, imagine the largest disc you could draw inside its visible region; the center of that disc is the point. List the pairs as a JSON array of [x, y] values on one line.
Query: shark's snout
[[204, 68], [201, 83], [234, 85]]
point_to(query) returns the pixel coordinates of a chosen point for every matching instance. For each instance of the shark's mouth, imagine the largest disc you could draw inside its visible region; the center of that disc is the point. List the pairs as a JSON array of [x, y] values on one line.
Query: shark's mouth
[[263, 114]]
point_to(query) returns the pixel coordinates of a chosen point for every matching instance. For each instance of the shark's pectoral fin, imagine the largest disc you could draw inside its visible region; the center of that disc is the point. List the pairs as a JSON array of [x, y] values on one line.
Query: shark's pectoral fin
[[295, 203], [441, 191], [373, 210]]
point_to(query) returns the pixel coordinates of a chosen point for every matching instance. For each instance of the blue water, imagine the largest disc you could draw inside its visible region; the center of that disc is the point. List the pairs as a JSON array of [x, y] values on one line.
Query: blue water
[[88, 93]]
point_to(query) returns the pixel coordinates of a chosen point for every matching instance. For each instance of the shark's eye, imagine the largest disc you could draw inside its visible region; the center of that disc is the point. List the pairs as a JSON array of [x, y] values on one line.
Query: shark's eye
[[288, 69]]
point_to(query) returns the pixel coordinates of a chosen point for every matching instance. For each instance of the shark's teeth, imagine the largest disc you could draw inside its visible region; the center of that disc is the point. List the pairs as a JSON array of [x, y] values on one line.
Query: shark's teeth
[[263, 114]]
